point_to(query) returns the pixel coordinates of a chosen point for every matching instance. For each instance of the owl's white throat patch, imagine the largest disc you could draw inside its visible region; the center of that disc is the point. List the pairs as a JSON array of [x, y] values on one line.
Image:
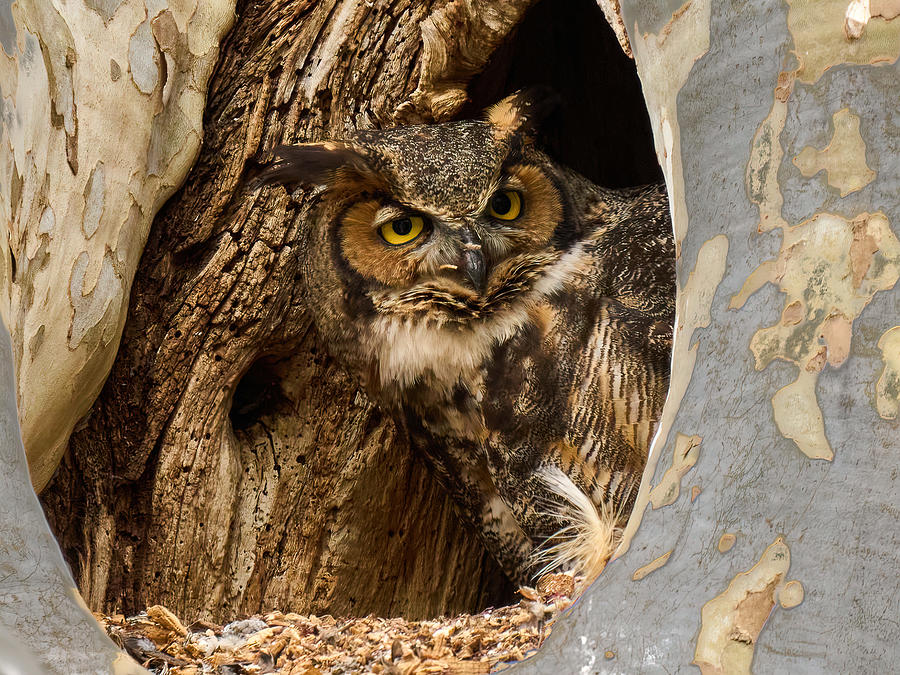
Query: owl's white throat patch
[[408, 349], [414, 346]]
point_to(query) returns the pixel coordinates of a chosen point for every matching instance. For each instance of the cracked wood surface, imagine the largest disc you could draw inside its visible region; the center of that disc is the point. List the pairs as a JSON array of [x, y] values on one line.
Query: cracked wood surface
[[229, 466]]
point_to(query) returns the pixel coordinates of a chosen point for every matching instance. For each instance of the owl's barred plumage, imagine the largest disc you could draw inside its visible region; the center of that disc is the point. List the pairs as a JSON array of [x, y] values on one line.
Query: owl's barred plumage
[[515, 317]]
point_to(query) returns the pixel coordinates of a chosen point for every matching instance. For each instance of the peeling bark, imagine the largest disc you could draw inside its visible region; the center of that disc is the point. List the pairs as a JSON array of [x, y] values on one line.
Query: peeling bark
[[785, 354], [85, 177]]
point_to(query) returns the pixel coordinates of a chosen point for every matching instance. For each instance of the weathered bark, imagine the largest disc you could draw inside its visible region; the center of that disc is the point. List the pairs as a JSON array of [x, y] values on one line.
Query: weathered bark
[[229, 466]]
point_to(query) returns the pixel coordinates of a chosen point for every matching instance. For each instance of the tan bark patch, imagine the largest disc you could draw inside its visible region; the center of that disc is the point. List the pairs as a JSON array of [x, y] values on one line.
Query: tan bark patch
[[651, 566], [862, 249], [818, 361], [819, 42], [791, 594], [684, 456], [792, 314], [887, 391], [828, 264], [886, 9], [843, 159], [798, 416], [836, 332], [732, 621], [726, 541], [766, 154]]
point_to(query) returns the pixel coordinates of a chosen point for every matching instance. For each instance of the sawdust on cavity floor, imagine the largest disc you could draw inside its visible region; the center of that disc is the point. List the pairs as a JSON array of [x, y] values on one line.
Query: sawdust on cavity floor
[[294, 644]]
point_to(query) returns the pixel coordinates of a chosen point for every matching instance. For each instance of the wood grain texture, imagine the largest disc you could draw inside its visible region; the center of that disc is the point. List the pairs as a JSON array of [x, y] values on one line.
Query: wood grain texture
[[228, 465]]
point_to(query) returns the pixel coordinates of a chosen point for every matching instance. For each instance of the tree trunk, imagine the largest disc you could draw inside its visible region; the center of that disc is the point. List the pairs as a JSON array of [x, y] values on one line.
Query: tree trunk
[[774, 474]]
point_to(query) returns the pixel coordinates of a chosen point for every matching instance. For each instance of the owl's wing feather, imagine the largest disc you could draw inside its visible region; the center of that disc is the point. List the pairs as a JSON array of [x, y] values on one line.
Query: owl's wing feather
[[574, 398], [462, 469]]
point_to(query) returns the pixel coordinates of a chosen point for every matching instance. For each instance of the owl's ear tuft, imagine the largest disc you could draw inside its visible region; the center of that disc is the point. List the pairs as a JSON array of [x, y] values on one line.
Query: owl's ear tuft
[[309, 164], [521, 113]]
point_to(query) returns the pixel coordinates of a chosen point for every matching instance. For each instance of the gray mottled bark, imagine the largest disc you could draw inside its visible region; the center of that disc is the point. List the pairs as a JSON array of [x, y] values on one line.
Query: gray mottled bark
[[795, 361], [41, 612]]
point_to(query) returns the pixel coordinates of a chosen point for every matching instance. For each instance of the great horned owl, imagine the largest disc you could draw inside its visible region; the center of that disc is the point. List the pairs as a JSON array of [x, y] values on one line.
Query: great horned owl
[[515, 317]]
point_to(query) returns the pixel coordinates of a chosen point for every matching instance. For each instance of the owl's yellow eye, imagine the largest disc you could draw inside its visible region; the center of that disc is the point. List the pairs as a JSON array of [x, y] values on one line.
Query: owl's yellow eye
[[505, 205], [402, 230]]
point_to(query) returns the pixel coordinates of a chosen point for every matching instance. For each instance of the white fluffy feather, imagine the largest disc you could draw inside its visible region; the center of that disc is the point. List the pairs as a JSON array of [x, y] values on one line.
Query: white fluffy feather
[[590, 535]]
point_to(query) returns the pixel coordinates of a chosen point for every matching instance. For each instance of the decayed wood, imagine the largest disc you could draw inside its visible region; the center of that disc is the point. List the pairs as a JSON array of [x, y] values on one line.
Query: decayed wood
[[301, 494], [294, 644]]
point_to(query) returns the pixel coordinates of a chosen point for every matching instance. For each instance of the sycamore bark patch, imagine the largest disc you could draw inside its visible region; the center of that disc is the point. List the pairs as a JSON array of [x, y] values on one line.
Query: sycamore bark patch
[[791, 595], [887, 391], [843, 159], [732, 621], [766, 154], [651, 566], [829, 269], [819, 46], [726, 541], [684, 456]]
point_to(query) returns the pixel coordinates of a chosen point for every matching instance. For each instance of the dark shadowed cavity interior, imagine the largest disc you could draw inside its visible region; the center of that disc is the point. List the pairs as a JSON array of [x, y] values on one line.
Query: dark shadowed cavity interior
[[601, 129]]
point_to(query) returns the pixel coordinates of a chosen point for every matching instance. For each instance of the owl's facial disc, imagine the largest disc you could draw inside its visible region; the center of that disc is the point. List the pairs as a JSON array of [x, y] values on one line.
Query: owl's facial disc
[[461, 262]]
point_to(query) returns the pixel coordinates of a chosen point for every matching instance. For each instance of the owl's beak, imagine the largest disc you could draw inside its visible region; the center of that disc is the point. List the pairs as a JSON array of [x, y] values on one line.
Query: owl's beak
[[473, 260]]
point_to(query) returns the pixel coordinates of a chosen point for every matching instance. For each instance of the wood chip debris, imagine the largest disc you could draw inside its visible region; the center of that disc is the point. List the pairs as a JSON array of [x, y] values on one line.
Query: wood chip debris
[[295, 644]]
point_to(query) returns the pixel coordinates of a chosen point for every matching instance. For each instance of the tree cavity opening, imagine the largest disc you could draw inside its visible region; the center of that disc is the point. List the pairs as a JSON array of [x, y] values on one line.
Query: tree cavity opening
[[601, 128]]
